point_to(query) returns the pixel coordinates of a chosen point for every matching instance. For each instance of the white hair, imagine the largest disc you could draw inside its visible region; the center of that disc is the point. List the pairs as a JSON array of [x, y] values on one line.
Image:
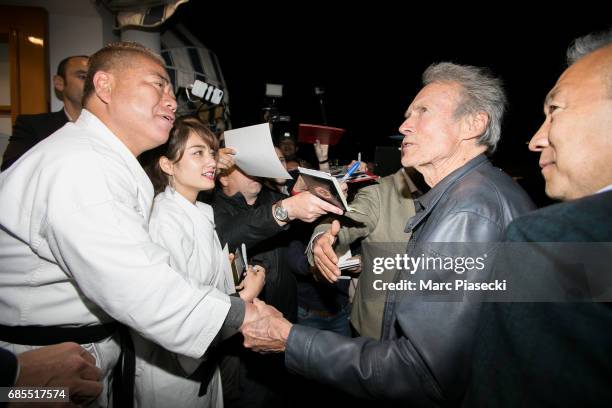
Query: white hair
[[481, 92]]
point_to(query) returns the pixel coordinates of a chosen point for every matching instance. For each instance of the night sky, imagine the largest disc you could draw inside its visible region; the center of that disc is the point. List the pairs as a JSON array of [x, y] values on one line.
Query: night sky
[[370, 62]]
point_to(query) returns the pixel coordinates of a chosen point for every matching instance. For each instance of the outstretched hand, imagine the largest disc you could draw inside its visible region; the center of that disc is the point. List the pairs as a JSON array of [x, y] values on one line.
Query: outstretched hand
[[266, 335], [325, 257]]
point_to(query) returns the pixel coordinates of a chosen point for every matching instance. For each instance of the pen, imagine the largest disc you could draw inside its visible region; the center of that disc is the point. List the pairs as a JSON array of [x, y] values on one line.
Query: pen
[[244, 257], [350, 171]]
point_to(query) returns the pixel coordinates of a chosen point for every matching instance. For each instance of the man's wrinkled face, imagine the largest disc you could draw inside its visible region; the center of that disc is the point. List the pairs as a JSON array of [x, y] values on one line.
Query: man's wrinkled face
[[575, 140], [431, 131]]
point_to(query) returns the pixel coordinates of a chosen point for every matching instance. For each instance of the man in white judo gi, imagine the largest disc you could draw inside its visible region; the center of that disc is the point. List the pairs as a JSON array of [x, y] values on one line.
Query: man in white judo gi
[[75, 250]]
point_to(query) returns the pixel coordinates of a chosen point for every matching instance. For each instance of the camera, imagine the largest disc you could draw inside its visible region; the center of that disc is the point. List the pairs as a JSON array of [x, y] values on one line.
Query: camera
[[271, 113]]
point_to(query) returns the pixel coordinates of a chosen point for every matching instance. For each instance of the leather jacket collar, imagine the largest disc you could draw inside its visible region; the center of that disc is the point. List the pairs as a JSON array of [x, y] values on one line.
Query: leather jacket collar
[[427, 202]]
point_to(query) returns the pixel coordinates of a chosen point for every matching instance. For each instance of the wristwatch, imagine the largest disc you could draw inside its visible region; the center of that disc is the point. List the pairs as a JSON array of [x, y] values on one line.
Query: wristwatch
[[279, 212]]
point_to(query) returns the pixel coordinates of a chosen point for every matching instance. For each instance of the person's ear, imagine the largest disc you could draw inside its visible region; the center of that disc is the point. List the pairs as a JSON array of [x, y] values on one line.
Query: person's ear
[[475, 125], [58, 83], [166, 165], [103, 84]]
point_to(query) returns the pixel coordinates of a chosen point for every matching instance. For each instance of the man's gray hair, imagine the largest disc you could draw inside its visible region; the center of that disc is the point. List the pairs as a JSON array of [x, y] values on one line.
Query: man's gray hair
[[582, 46], [585, 45], [481, 92]]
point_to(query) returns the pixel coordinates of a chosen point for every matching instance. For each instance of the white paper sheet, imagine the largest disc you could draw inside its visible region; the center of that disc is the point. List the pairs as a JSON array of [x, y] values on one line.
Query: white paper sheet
[[255, 152]]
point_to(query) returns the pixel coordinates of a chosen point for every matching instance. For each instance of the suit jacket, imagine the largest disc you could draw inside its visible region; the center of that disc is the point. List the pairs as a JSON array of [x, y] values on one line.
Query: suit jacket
[[8, 362], [548, 354], [29, 130], [425, 355]]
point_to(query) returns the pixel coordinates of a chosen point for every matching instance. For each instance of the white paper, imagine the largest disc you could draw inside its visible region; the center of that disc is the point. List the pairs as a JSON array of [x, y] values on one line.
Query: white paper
[[345, 261], [255, 154]]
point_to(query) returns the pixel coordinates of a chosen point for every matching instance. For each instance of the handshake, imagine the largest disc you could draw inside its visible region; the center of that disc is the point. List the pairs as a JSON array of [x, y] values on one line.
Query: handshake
[[264, 328]]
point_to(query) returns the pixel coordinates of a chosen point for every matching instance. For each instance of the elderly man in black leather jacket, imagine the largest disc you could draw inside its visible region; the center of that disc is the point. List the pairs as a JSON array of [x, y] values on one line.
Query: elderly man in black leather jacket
[[425, 353]]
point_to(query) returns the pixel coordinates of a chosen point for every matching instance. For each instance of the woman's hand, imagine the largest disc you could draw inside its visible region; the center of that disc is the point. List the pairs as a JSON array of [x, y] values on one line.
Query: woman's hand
[[253, 283]]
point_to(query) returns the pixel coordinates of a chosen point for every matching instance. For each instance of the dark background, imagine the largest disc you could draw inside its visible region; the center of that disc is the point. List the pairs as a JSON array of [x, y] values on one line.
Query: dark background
[[370, 59]]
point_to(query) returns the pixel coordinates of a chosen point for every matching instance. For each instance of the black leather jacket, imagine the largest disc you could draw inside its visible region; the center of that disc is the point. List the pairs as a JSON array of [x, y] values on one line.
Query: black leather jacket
[[425, 354]]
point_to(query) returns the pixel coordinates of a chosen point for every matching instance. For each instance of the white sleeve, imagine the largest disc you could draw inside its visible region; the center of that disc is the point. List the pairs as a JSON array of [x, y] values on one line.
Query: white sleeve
[[97, 235]]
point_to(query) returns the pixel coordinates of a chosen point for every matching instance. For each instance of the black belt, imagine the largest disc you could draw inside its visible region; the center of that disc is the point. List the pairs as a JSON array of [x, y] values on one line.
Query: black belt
[[48, 335], [124, 371], [205, 372]]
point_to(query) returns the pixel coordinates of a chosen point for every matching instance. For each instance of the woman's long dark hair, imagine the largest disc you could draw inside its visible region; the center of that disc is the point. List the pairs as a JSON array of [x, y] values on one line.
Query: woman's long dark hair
[[174, 149]]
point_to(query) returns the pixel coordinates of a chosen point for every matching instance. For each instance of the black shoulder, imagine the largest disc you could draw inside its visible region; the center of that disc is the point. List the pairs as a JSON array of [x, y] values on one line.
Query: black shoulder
[[586, 219]]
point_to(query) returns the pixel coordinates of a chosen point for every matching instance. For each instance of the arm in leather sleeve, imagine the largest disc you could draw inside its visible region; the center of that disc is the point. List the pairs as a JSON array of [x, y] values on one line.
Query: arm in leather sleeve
[[429, 358], [248, 227], [362, 366]]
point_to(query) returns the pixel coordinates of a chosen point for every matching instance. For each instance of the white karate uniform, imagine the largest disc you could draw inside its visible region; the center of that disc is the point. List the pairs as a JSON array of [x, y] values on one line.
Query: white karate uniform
[[188, 232], [75, 249]]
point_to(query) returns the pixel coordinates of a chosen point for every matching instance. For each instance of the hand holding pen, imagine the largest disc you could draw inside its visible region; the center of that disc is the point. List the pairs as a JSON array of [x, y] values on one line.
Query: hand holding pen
[[350, 171]]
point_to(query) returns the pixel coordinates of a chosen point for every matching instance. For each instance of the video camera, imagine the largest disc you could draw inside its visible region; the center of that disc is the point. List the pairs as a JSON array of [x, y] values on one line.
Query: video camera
[[271, 112]]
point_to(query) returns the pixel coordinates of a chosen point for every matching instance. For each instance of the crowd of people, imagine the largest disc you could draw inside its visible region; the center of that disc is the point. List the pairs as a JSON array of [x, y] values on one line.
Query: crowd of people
[[119, 221]]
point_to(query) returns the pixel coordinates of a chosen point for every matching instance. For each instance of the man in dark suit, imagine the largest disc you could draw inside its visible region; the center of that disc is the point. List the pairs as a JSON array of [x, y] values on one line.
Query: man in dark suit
[[31, 129], [559, 354]]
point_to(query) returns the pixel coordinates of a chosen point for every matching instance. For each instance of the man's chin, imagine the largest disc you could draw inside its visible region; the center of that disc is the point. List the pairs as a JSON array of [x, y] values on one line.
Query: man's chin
[[556, 193], [160, 137], [407, 163]]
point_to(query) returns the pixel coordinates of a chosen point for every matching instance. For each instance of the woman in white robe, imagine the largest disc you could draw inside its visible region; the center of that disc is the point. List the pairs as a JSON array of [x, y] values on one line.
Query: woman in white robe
[[186, 165]]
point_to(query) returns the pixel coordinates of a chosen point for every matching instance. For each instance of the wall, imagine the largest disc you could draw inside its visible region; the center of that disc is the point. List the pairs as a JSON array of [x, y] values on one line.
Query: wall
[[75, 27]]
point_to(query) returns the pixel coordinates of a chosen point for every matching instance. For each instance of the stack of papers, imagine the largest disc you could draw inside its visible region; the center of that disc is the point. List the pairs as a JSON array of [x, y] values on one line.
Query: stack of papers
[[347, 261]]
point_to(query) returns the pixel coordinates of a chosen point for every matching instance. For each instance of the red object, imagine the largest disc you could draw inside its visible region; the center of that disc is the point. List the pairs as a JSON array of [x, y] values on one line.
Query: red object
[[363, 177], [325, 134]]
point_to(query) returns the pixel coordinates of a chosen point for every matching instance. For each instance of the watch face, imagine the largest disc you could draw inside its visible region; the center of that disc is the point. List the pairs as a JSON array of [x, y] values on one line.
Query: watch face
[[280, 213]]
